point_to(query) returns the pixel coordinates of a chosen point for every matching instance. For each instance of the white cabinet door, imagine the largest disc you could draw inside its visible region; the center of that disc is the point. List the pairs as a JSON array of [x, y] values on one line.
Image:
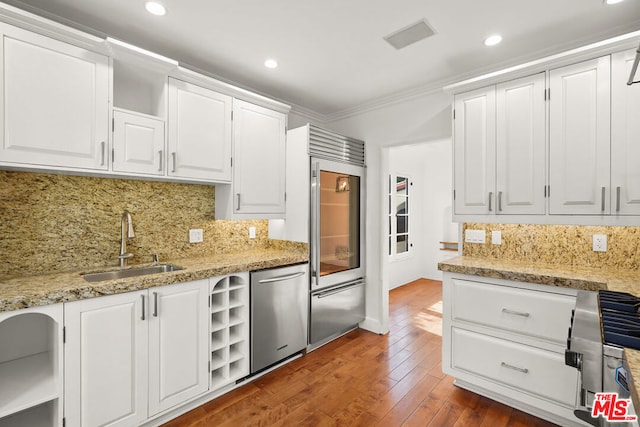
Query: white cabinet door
[[178, 344], [106, 361], [625, 137], [138, 143], [55, 99], [579, 138], [520, 146], [259, 165], [474, 151], [199, 128]]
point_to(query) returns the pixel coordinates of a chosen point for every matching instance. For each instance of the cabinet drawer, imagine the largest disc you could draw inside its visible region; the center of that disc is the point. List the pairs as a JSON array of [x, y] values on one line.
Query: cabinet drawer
[[529, 369], [534, 313]]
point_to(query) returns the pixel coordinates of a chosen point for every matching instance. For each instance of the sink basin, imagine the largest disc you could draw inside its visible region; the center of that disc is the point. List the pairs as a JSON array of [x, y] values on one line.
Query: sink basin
[[131, 272]]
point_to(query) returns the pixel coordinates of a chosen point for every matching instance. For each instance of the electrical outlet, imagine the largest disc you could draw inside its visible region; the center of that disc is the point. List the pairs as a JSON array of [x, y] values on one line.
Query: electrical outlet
[[475, 236], [195, 235], [252, 232], [600, 243], [496, 237]]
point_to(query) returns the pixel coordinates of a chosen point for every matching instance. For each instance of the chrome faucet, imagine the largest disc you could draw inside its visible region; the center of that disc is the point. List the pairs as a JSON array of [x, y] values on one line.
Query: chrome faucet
[[125, 232]]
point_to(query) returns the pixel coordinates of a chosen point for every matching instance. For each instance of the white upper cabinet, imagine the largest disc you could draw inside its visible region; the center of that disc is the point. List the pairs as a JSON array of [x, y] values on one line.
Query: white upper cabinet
[[499, 148], [199, 133], [138, 143], [520, 146], [54, 103], [474, 151], [579, 138], [259, 159], [625, 137]]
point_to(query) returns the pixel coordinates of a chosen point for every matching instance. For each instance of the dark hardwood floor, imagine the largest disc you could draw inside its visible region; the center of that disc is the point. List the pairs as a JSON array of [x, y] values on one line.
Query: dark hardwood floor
[[364, 379]]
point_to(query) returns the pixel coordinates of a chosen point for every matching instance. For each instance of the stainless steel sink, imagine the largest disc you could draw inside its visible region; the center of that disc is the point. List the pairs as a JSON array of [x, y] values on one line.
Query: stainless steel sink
[[131, 272]]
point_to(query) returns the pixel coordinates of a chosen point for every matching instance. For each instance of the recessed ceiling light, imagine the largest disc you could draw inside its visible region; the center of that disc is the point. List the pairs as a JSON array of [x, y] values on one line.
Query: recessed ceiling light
[[613, 1], [493, 40], [155, 8], [271, 63]]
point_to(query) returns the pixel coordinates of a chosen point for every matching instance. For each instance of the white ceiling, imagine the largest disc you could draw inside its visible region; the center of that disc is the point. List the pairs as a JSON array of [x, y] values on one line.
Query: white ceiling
[[331, 53]]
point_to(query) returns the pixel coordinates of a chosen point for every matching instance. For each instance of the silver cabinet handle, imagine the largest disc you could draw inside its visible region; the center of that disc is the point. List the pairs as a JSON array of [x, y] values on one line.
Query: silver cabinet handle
[[155, 304], [143, 308], [282, 278], [617, 199], [237, 201], [173, 157], [490, 197], [160, 152], [603, 193], [515, 313], [500, 201], [102, 147], [515, 368]]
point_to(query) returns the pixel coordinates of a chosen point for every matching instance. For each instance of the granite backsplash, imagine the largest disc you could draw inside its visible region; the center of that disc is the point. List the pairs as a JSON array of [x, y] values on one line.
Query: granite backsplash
[[559, 244], [52, 223]]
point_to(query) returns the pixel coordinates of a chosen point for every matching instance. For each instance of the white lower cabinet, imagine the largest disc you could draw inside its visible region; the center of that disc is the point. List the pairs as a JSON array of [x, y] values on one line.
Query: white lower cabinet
[[506, 340], [178, 344], [31, 383], [524, 367], [132, 355]]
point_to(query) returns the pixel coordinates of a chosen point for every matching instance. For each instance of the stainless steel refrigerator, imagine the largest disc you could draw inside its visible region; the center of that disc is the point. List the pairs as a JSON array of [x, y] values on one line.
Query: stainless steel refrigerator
[[326, 208]]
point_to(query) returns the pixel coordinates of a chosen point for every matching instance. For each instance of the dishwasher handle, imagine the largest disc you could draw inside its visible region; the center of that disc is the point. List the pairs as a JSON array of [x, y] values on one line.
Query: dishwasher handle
[[282, 278]]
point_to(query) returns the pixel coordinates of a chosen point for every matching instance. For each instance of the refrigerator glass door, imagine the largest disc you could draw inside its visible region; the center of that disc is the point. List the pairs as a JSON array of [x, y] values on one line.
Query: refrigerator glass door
[[337, 241]]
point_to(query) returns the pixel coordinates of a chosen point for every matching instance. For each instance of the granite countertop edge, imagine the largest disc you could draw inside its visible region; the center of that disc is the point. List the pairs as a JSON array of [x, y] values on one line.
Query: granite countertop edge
[[45, 289]]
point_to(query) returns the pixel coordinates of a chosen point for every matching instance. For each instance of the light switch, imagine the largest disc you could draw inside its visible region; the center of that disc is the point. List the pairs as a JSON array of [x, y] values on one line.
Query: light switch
[[475, 236], [496, 237], [252, 232]]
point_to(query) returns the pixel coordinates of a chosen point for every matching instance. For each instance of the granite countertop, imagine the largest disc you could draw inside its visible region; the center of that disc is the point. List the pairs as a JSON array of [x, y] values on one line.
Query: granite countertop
[[32, 291], [584, 278]]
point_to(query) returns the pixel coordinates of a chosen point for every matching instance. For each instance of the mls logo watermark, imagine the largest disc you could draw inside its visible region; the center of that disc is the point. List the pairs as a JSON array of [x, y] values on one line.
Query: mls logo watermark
[[611, 408]]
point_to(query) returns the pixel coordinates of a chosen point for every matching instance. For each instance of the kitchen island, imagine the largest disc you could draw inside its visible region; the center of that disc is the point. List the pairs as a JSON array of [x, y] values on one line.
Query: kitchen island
[[564, 276]]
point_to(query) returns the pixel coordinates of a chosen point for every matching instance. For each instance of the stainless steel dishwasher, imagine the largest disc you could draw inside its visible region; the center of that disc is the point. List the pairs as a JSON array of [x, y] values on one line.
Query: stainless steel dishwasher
[[279, 312]]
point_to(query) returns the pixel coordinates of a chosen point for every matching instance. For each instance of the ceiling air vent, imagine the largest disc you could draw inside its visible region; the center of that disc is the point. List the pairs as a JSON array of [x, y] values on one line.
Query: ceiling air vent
[[411, 34]]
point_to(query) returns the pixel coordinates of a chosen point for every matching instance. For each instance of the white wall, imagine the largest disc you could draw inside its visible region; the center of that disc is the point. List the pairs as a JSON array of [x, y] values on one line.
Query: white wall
[[438, 186], [430, 167], [422, 118]]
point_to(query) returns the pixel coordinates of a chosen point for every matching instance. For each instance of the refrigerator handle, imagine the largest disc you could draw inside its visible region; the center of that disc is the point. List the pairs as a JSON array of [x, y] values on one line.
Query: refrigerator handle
[[315, 224], [337, 290]]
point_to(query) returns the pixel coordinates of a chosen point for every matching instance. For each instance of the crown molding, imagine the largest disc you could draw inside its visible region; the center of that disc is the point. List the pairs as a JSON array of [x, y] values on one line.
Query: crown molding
[[311, 115]]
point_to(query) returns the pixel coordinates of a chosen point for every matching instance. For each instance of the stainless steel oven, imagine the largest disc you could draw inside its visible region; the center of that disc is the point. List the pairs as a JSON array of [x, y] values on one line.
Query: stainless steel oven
[[602, 325]]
